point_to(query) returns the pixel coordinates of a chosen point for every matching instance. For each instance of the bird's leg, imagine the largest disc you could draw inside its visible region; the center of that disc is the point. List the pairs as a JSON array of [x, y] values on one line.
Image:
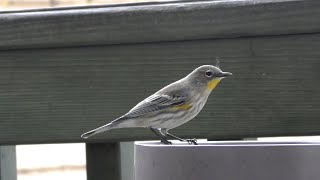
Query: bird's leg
[[160, 135], [190, 141]]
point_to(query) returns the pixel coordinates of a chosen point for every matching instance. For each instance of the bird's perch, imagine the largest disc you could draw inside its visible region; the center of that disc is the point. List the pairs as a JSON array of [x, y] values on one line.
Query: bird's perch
[[228, 161]]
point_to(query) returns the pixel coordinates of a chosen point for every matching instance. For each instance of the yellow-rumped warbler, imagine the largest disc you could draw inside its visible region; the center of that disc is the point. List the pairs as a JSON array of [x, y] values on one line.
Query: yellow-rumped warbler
[[171, 106]]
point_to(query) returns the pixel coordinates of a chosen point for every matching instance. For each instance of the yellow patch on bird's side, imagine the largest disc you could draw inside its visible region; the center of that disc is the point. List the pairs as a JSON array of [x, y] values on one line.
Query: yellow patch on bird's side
[[213, 83], [182, 107]]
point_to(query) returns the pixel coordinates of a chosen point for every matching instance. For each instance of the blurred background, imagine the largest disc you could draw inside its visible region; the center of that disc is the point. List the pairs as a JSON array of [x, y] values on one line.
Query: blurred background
[[51, 161], [34, 4]]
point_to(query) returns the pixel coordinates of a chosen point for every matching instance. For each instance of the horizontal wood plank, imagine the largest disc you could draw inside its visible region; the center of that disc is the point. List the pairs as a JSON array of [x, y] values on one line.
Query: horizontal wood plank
[[157, 22], [55, 95]]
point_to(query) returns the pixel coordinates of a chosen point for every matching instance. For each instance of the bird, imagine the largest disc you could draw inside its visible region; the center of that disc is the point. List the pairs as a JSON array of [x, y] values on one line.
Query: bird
[[171, 106]]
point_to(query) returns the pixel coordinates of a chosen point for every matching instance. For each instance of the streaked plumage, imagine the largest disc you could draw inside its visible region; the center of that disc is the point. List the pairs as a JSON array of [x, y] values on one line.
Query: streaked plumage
[[171, 106]]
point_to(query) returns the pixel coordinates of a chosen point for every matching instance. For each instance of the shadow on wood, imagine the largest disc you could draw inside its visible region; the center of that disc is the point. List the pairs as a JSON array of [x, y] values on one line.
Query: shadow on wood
[[103, 161]]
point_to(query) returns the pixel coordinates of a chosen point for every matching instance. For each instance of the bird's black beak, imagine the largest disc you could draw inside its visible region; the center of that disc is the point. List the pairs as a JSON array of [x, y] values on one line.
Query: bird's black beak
[[224, 74]]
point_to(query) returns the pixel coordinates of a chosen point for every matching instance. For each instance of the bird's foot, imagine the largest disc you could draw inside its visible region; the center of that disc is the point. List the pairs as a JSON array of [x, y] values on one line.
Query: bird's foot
[[192, 141], [166, 142]]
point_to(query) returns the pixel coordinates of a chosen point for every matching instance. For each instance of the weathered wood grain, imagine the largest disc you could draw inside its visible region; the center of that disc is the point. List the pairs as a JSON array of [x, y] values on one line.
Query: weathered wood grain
[[54, 95], [159, 22]]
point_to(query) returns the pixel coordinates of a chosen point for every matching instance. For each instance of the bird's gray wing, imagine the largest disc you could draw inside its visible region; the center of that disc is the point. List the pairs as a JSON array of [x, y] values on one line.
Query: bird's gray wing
[[155, 103]]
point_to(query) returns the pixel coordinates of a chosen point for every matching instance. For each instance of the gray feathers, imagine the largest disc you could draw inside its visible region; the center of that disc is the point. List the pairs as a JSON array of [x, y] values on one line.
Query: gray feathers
[[155, 103], [158, 110], [98, 130]]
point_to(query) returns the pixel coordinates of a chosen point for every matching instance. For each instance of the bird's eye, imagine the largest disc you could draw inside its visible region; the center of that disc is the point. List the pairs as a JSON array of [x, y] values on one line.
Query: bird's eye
[[209, 73]]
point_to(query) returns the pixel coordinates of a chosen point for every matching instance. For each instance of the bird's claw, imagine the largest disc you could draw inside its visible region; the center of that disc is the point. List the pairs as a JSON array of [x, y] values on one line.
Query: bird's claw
[[192, 141], [166, 142]]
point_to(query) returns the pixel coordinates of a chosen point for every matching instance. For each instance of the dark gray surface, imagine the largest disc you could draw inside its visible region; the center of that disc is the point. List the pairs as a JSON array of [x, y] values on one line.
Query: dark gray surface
[[157, 22], [103, 161], [228, 162], [55, 95]]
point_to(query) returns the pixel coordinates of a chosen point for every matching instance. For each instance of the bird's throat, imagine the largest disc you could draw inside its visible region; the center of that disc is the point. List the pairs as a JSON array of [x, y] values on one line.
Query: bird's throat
[[212, 84]]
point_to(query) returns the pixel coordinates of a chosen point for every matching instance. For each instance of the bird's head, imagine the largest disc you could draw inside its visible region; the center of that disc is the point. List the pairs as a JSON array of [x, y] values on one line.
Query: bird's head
[[207, 76]]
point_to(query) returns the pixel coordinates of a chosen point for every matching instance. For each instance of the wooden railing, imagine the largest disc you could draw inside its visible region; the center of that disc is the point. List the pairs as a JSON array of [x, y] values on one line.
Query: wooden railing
[[33, 4], [65, 71]]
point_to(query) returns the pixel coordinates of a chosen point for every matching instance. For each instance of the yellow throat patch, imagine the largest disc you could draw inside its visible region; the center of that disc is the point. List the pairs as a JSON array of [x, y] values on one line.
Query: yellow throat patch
[[212, 84]]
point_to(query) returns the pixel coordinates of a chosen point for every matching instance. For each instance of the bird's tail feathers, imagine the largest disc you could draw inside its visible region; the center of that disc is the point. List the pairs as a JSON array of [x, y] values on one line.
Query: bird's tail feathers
[[98, 130]]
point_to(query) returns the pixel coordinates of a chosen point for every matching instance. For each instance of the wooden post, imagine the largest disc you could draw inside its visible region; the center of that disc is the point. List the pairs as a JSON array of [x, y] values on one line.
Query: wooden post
[[103, 161], [8, 165]]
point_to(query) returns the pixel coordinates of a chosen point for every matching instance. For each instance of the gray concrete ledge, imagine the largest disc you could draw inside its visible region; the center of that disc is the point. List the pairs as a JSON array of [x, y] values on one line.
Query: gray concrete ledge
[[250, 160]]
